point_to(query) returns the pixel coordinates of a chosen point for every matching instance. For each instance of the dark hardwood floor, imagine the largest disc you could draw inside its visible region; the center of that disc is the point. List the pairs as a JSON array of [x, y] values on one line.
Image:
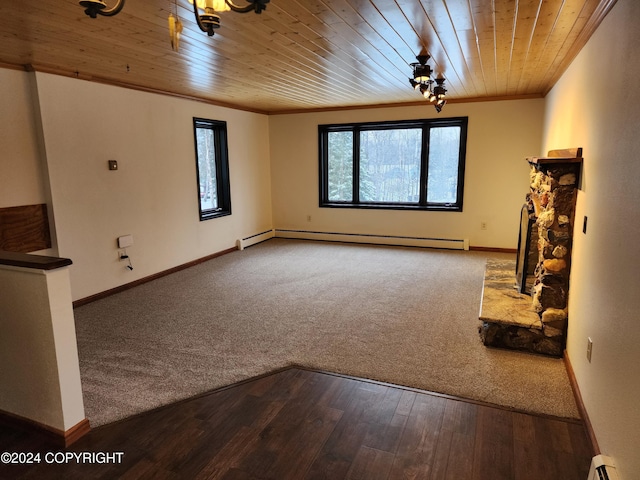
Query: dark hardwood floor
[[301, 424]]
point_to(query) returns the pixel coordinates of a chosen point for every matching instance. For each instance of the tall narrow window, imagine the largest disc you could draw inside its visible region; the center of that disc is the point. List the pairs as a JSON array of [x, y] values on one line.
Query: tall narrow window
[[214, 192], [413, 164]]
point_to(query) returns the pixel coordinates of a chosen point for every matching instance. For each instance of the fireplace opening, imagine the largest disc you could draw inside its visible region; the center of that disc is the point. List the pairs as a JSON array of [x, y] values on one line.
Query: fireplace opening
[[527, 253]]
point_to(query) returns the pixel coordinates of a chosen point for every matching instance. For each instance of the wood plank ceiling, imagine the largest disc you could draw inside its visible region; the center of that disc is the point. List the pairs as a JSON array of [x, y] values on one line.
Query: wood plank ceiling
[[308, 54]]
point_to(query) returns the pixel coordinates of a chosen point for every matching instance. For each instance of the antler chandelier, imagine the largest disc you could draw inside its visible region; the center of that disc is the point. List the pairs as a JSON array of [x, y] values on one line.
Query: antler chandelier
[[423, 81]]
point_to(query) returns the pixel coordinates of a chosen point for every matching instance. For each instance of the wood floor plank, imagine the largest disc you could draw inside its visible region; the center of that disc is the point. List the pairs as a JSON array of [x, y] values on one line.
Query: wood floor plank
[[418, 441], [558, 449], [341, 448], [228, 456], [298, 424], [406, 403], [370, 464], [304, 444], [386, 436], [529, 458], [457, 438], [493, 453], [339, 451]]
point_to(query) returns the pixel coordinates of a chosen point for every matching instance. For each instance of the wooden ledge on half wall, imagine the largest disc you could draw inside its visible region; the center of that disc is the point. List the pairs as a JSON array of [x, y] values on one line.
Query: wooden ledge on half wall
[[36, 262]]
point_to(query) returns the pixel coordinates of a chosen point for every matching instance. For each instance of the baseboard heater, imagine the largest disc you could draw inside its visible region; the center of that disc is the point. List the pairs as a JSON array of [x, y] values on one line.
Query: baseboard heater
[[602, 469], [452, 244], [243, 243]]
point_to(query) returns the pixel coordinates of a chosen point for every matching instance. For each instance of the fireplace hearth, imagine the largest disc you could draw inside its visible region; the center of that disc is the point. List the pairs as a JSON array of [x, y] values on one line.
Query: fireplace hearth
[[527, 309]]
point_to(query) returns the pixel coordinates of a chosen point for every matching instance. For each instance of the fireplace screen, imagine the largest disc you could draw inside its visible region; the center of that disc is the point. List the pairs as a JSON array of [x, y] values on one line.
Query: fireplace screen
[[527, 251]]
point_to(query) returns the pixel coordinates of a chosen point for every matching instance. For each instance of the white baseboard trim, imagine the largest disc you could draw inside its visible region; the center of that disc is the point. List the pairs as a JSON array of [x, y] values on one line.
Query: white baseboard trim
[[451, 244], [243, 243]]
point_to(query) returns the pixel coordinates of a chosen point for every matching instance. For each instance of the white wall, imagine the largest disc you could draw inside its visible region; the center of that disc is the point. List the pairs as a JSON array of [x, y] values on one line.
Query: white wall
[[40, 377], [20, 165], [500, 136], [153, 195], [601, 113]]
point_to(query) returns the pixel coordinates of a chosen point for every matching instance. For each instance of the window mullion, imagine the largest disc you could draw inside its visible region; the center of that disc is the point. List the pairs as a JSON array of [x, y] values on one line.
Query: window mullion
[[324, 165], [424, 165], [356, 165]]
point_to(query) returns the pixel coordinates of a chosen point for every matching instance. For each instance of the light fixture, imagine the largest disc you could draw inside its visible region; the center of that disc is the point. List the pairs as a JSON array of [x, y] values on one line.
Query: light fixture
[[99, 7], [175, 28], [439, 92], [209, 21], [423, 80]]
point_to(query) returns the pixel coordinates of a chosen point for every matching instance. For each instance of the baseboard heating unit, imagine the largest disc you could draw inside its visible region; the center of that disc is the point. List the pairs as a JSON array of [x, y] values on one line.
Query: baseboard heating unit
[[451, 244], [243, 243], [602, 469]]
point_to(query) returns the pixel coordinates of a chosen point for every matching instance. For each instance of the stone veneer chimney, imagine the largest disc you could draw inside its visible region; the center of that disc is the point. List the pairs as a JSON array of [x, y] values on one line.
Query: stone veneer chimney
[[537, 322], [553, 190]]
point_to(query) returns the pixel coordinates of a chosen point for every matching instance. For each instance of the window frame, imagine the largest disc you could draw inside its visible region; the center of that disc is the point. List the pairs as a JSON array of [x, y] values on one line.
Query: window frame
[[356, 128], [223, 186]]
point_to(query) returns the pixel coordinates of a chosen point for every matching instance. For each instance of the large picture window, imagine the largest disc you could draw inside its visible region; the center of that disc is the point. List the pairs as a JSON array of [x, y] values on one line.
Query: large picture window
[[214, 194], [414, 164]]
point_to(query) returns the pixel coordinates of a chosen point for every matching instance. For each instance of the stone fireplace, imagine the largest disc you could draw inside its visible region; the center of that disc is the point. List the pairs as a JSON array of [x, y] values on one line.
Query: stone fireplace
[[524, 304]]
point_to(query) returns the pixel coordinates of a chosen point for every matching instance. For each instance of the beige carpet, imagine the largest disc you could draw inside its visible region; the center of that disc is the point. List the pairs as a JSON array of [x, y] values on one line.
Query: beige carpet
[[406, 316]]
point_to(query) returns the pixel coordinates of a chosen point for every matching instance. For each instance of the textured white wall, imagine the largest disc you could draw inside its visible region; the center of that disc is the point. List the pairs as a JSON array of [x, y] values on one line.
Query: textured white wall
[[40, 376], [601, 113], [500, 136], [153, 195], [20, 164]]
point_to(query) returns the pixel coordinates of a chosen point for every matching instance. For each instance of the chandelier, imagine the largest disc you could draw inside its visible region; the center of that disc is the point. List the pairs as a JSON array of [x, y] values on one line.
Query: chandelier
[[93, 8], [207, 21], [423, 80]]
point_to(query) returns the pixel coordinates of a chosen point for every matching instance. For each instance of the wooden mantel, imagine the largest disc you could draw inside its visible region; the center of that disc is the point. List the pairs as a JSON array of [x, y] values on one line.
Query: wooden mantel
[[567, 155]]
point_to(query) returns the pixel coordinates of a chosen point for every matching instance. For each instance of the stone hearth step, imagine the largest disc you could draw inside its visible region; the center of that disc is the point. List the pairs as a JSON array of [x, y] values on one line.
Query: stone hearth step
[[508, 318]]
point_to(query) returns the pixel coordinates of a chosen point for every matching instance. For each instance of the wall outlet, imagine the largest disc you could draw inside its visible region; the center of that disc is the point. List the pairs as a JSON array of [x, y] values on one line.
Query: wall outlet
[[483, 225], [308, 218], [589, 348]]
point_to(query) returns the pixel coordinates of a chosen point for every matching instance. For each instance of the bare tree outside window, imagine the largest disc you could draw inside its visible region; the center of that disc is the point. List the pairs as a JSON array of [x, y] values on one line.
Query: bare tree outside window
[[214, 195], [340, 166], [207, 169], [390, 165], [414, 164], [444, 151]]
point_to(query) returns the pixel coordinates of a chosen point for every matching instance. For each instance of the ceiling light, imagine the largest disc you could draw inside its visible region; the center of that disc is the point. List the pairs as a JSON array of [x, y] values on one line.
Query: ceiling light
[[217, 5], [209, 21], [422, 81], [439, 91], [99, 7]]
